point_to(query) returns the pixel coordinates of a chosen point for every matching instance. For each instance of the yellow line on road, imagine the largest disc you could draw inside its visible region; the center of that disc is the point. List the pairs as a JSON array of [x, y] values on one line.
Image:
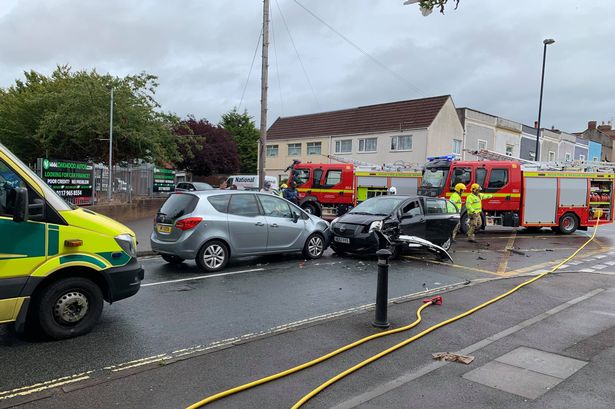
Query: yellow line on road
[[509, 245]]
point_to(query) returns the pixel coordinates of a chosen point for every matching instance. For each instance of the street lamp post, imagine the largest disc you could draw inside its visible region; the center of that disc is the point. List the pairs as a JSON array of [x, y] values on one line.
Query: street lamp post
[[546, 42], [110, 187]]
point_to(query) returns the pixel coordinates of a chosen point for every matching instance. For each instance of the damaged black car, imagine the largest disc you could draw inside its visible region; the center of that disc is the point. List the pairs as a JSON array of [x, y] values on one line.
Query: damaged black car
[[396, 222]]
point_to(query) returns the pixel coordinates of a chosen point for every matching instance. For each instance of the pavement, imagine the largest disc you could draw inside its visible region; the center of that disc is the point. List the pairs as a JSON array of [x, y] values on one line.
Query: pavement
[[549, 345], [143, 229]]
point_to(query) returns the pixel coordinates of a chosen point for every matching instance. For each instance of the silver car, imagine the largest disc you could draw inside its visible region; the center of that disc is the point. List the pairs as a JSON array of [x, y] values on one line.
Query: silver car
[[213, 226]]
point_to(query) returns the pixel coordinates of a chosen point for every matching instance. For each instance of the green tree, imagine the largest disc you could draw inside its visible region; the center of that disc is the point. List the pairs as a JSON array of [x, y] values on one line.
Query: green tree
[[66, 116], [246, 136], [427, 6]]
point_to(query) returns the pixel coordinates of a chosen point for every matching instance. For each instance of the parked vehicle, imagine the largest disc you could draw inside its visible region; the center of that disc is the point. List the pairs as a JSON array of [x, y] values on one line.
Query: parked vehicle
[[331, 189], [213, 226], [530, 194], [58, 263], [379, 222], [249, 182], [192, 186]]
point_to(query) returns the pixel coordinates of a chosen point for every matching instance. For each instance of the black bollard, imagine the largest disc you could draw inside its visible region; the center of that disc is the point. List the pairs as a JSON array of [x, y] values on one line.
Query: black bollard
[[382, 291]]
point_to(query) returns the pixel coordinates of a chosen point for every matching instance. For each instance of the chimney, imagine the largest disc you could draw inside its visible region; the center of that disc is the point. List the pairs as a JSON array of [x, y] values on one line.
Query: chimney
[[591, 125], [535, 124], [604, 128]]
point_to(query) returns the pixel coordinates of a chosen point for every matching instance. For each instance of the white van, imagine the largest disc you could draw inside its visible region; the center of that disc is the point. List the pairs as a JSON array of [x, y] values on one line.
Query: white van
[[249, 182]]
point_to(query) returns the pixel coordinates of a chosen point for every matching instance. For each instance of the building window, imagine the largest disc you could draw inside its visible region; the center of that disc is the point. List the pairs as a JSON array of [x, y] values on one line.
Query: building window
[[401, 143], [551, 156], [294, 149], [509, 150], [567, 157], [313, 148], [581, 157], [272, 150], [343, 146], [482, 144], [368, 145], [457, 146]]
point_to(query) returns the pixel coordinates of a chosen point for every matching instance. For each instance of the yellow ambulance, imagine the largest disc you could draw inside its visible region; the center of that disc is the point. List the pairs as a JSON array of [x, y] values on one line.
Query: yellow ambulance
[[58, 262]]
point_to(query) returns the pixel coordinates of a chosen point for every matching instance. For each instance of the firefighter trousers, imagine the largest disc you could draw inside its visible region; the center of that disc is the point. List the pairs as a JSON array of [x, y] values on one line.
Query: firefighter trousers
[[475, 223]]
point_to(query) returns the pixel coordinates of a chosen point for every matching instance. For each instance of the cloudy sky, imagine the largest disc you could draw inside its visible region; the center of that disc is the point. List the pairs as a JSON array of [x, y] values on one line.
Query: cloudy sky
[[487, 54]]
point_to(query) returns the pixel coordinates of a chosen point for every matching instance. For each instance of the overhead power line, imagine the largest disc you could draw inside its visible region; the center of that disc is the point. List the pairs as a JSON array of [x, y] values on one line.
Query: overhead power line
[[368, 55]]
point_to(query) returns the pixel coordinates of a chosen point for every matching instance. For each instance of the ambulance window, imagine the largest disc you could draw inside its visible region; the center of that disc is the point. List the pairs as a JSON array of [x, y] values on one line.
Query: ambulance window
[[498, 178], [461, 175], [481, 174], [9, 181], [333, 177]]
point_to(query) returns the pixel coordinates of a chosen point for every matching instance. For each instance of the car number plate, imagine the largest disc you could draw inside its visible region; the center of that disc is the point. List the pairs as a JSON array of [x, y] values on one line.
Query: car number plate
[[164, 229], [341, 239]]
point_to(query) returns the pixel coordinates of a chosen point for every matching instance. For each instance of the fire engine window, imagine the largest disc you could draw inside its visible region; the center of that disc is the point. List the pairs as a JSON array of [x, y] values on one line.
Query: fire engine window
[[481, 174], [301, 176], [498, 178], [333, 177], [461, 175], [435, 206], [317, 177]]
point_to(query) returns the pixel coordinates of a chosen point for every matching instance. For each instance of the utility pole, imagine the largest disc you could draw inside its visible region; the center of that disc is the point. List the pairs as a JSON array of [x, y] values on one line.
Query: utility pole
[[110, 187], [262, 153]]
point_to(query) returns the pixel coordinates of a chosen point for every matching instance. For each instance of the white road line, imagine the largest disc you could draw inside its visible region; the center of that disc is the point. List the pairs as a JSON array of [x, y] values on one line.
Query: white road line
[[610, 263], [601, 256], [587, 270], [598, 266], [575, 263], [202, 277]]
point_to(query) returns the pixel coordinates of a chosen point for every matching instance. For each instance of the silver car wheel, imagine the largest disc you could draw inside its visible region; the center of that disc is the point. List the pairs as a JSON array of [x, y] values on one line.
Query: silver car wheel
[[315, 246], [214, 256]]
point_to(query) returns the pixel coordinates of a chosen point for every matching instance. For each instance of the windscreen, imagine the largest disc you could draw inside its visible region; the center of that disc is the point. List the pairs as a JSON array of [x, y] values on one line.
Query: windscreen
[[378, 206], [434, 177]]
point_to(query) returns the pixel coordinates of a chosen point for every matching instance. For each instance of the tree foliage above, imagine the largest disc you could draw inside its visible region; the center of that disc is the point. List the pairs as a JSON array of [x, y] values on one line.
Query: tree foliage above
[[66, 116], [246, 135], [206, 149]]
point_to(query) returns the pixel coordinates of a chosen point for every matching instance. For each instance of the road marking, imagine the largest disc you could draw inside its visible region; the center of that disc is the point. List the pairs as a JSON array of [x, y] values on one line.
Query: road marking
[[417, 373], [41, 386], [599, 266], [509, 246], [186, 352], [610, 263], [587, 270], [202, 277]]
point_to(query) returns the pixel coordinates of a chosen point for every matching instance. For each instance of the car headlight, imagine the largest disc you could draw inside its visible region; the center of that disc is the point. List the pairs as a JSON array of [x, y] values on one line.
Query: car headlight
[[127, 244], [377, 225], [334, 221]]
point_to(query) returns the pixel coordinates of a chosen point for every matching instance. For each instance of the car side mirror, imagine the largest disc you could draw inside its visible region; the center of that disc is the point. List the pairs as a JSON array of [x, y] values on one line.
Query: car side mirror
[[295, 217], [20, 208]]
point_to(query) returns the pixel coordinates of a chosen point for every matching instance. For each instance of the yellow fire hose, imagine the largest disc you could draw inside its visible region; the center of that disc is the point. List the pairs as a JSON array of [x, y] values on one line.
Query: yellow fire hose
[[360, 365]]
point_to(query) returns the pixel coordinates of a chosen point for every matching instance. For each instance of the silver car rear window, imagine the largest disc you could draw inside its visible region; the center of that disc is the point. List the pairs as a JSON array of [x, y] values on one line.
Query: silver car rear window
[[178, 205]]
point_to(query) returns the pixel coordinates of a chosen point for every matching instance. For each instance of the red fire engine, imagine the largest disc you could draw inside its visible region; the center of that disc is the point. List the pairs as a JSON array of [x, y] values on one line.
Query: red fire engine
[[565, 198], [331, 189]]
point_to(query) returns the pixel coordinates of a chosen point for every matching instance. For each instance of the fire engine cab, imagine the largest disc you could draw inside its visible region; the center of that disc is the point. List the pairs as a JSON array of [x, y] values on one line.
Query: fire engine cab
[[331, 189], [563, 197]]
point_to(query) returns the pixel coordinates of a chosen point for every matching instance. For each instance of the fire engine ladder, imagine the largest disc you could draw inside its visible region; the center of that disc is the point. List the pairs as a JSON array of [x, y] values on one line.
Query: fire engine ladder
[[576, 165], [397, 166]]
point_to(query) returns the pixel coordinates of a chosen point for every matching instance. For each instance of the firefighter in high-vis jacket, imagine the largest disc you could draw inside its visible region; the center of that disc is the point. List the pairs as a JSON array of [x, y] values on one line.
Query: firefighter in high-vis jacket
[[474, 207], [456, 199]]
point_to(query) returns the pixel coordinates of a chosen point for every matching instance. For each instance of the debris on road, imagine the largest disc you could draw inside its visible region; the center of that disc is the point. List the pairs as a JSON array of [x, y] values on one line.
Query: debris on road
[[452, 357]]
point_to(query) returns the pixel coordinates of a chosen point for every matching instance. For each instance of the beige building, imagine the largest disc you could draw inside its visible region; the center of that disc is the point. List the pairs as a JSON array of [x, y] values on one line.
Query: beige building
[[405, 131]]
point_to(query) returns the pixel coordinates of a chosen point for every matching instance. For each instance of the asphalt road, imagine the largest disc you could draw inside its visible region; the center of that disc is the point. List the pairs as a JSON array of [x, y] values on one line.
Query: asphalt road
[[179, 308]]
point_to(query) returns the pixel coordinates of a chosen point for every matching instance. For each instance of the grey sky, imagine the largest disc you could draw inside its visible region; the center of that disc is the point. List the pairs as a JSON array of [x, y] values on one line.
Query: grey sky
[[487, 54]]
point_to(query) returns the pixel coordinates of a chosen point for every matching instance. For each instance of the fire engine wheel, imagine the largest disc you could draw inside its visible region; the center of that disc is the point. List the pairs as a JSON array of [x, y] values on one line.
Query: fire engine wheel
[[568, 223], [311, 208]]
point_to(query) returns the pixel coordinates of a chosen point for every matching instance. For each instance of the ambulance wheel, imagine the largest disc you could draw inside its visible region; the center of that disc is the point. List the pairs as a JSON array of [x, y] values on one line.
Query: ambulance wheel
[[172, 259], [568, 223], [68, 307]]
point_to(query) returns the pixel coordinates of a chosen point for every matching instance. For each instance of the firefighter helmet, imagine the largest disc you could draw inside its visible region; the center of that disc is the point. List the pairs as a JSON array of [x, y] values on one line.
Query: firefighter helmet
[[460, 187], [475, 186]]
